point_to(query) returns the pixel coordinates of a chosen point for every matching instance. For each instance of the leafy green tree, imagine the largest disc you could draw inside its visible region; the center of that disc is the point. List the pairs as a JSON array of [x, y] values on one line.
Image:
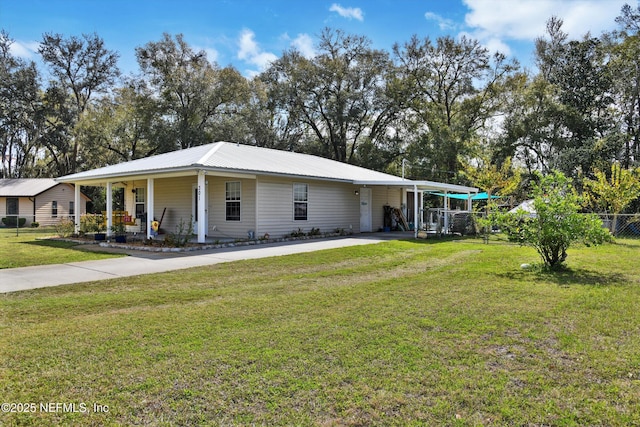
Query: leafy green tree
[[625, 72], [120, 127], [82, 67], [615, 191], [557, 223], [21, 119], [192, 92], [563, 118], [339, 96], [449, 90]]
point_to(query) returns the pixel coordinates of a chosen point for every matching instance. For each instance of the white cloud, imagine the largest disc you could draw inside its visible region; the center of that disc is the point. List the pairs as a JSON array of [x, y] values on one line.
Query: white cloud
[[443, 23], [304, 43], [526, 19], [347, 12], [497, 45], [25, 50], [248, 46], [251, 52]]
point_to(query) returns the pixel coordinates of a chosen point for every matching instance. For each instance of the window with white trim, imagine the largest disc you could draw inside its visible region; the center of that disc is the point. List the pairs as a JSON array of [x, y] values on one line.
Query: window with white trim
[[140, 201], [300, 202], [54, 209], [232, 200]]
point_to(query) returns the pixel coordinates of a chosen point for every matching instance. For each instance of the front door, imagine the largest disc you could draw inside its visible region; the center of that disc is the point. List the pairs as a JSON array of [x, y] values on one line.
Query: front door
[[365, 210]]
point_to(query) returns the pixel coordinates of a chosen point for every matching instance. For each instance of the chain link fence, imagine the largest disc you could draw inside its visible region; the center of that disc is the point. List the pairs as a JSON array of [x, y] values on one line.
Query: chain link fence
[[462, 223], [622, 225]]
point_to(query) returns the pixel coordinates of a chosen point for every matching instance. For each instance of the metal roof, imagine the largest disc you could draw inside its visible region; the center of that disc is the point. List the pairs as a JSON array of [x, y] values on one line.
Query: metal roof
[[27, 187], [227, 157]]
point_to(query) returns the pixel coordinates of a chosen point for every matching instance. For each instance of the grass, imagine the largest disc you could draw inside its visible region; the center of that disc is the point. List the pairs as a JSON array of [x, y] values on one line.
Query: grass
[[28, 249], [399, 333]]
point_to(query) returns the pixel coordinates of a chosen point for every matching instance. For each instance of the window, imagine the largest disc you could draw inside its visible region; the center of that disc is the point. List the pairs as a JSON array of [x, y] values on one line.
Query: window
[[300, 201], [54, 209], [140, 201], [72, 210], [12, 206], [232, 199]]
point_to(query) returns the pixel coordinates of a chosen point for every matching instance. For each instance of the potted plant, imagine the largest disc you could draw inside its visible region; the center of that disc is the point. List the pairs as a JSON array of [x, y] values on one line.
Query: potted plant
[[120, 232], [91, 223]]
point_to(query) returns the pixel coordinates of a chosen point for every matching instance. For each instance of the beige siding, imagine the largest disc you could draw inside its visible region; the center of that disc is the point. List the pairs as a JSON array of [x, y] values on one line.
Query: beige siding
[[25, 209], [63, 194], [175, 194], [267, 205], [331, 206], [219, 227]]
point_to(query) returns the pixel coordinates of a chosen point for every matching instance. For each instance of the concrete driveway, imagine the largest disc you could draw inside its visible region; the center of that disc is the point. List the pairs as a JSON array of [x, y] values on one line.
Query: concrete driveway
[[139, 262]]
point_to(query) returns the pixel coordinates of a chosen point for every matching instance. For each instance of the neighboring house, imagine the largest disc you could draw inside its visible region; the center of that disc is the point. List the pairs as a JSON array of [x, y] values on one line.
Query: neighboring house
[[41, 200], [234, 191]]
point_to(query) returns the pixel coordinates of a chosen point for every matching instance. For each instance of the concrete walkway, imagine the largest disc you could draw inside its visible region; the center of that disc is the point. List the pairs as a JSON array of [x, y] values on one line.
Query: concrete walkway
[[140, 262]]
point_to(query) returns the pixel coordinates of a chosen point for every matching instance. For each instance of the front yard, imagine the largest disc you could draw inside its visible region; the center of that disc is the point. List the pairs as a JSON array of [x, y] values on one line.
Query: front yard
[[399, 333], [30, 247]]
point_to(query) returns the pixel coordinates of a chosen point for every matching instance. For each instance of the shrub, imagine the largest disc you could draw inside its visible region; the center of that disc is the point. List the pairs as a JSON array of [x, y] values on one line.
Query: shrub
[[184, 231], [92, 223], [10, 221], [65, 227], [298, 233], [35, 224], [556, 224]]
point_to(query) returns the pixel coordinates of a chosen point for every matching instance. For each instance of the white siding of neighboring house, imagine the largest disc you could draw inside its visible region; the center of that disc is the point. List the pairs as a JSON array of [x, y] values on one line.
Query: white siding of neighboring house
[[63, 194], [331, 206], [25, 209]]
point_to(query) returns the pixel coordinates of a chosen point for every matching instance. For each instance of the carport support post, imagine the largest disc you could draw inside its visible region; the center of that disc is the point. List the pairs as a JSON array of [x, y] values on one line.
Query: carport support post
[[76, 206], [202, 221], [109, 208], [446, 212], [150, 207]]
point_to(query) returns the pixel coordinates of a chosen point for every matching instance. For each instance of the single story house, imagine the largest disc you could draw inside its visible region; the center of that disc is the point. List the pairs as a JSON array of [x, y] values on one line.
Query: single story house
[[41, 200], [231, 190]]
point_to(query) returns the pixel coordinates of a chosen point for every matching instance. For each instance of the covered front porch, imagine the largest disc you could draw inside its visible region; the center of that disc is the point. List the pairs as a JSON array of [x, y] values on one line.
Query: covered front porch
[[151, 202]]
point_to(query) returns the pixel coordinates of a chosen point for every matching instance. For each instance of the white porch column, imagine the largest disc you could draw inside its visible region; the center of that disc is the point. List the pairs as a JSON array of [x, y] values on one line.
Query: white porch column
[[446, 212], [109, 208], [76, 205], [150, 207], [202, 208], [469, 202], [416, 220]]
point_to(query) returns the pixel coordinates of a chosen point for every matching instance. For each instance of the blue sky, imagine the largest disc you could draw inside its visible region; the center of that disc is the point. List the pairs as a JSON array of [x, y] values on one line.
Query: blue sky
[[248, 34]]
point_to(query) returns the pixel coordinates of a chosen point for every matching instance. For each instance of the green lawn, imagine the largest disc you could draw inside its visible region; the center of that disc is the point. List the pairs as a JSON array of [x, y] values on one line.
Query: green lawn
[[30, 247], [399, 333]]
